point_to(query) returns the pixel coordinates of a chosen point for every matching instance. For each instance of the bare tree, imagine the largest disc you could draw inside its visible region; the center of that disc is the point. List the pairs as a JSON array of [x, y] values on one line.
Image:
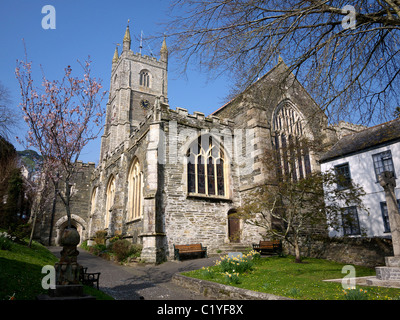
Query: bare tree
[[346, 57], [289, 207], [8, 116]]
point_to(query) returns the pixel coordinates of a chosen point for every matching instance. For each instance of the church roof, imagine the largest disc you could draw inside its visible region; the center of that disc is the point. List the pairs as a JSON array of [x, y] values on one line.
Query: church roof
[[251, 85], [279, 69], [363, 140]]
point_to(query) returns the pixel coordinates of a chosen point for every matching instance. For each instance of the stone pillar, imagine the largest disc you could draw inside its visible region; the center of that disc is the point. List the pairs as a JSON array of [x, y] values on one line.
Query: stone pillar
[[388, 182], [389, 275], [68, 286], [68, 269], [152, 236]]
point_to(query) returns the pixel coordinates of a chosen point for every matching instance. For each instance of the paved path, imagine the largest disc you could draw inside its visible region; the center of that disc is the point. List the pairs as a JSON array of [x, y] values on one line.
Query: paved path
[[152, 282]]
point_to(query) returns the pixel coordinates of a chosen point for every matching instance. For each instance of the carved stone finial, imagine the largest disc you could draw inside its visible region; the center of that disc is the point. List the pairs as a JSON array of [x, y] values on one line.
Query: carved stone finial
[[386, 180]]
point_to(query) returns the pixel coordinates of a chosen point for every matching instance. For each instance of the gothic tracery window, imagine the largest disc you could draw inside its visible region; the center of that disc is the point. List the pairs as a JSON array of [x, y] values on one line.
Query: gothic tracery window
[[292, 151], [144, 78], [110, 194], [93, 201], [205, 167], [135, 187]]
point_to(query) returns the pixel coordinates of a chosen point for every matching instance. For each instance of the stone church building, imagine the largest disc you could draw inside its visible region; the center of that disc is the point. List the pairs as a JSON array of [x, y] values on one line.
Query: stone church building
[[168, 177]]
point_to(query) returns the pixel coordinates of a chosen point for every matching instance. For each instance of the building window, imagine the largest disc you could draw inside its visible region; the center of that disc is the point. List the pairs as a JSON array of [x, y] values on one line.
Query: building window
[[292, 152], [135, 193], [110, 194], [385, 215], [350, 222], [93, 201], [343, 178], [144, 78], [206, 167], [383, 162]]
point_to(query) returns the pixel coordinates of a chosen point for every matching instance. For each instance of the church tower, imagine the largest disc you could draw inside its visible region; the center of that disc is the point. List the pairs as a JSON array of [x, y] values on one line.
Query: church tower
[[136, 81]]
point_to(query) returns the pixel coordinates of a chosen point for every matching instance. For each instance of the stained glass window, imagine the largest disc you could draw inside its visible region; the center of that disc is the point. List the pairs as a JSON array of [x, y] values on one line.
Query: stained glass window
[[292, 153], [205, 167], [135, 187]]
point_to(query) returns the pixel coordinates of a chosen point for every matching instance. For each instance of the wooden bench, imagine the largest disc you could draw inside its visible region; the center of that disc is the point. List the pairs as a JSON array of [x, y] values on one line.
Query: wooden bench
[[186, 249], [89, 278], [274, 246]]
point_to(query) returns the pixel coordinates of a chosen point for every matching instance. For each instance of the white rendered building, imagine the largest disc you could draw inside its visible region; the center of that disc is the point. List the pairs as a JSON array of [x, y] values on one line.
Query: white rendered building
[[360, 157]]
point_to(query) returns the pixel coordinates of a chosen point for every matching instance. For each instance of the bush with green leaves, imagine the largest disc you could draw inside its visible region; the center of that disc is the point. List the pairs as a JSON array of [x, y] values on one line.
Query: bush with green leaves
[[100, 237], [136, 250], [98, 249], [5, 243], [122, 249]]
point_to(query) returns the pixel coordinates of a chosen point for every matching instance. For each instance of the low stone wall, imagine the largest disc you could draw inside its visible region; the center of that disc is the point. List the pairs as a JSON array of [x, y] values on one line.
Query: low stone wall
[[219, 291], [370, 252]]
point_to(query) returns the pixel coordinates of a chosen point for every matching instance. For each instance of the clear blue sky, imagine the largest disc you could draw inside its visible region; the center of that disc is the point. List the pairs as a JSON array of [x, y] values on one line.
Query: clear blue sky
[[93, 27]]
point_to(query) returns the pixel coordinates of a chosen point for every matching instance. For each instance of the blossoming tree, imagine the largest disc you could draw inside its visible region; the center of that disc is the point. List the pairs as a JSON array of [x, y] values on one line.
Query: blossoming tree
[[63, 116]]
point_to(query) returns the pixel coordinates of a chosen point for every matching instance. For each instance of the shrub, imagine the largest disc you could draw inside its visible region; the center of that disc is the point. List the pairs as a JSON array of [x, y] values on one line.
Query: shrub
[[84, 245], [122, 249], [5, 243], [115, 238], [22, 231], [100, 237], [98, 249], [136, 250]]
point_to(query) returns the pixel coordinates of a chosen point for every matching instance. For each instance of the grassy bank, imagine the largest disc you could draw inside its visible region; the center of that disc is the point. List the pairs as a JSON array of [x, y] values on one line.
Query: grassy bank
[[20, 272], [281, 276]]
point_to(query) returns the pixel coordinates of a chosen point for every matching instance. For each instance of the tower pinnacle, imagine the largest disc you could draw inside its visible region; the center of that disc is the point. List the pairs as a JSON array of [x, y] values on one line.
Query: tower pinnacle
[[115, 57], [164, 51], [127, 39]]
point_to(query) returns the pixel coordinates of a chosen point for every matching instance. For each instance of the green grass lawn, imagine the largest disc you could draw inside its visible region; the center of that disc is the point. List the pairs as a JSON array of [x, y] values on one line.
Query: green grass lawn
[[282, 277], [21, 272]]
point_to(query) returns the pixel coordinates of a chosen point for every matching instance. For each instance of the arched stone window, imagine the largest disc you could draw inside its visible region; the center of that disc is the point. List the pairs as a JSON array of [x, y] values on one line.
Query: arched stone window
[[135, 193], [144, 78], [110, 194], [290, 142], [93, 201], [206, 167]]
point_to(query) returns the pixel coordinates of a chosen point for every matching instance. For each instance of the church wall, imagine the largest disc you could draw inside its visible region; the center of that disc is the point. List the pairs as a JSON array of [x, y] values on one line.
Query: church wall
[[55, 224], [117, 164], [190, 218]]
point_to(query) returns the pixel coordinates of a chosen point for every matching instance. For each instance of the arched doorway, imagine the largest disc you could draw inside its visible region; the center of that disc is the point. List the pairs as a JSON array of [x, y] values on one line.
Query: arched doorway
[[76, 222], [233, 227]]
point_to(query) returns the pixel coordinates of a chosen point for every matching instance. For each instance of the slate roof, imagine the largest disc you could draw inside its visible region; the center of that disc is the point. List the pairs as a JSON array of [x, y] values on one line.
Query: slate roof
[[363, 140]]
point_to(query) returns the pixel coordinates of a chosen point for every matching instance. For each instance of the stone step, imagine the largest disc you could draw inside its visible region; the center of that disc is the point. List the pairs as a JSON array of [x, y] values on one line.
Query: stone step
[[388, 273], [392, 261], [383, 283], [234, 247]]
